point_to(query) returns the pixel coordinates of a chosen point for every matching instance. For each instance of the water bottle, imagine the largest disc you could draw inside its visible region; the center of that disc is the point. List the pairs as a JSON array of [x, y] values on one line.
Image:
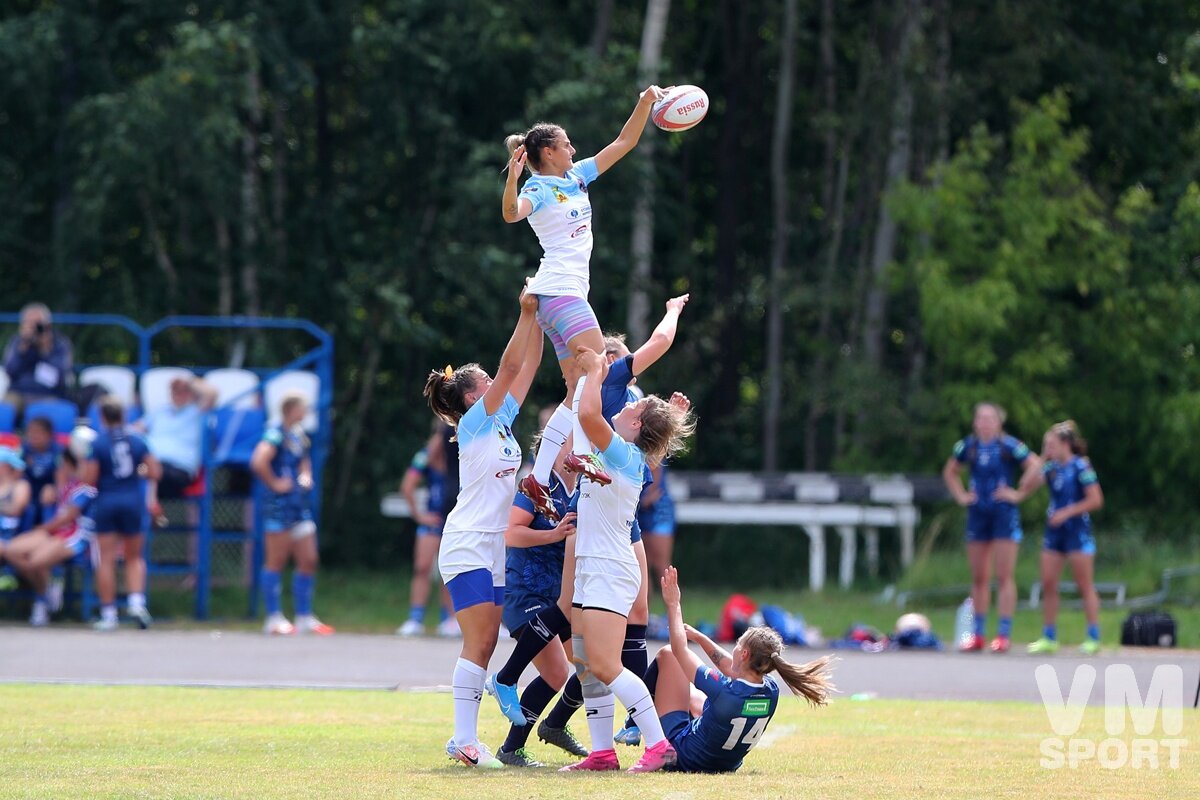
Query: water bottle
[[964, 623]]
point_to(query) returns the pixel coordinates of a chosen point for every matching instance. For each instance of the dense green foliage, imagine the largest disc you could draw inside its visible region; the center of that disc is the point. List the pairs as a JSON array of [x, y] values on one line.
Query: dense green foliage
[[339, 160]]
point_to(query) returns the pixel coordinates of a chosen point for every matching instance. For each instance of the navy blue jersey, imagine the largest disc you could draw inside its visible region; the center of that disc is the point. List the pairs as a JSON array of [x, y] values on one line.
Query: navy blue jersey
[[40, 466], [291, 448], [615, 391], [991, 464], [118, 452], [1068, 482], [539, 569], [435, 481], [735, 715]]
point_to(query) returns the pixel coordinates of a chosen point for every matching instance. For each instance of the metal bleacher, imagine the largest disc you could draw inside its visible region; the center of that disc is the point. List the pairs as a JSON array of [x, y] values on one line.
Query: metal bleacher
[[214, 534]]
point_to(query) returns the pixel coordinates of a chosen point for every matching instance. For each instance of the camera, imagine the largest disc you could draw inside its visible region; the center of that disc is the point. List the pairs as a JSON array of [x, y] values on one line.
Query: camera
[[40, 327]]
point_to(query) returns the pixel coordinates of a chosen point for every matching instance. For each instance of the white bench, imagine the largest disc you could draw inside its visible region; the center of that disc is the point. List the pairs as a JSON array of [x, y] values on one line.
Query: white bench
[[812, 518]]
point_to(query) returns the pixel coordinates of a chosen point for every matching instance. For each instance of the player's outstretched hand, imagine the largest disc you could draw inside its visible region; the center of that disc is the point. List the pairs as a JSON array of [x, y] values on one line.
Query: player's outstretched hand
[[680, 400], [692, 634], [653, 94], [677, 303], [670, 588]]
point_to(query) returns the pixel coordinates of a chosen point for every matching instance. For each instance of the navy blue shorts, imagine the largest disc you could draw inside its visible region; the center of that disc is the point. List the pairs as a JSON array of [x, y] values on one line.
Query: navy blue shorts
[[1073, 536], [121, 513], [989, 523], [520, 605], [658, 519], [281, 513]]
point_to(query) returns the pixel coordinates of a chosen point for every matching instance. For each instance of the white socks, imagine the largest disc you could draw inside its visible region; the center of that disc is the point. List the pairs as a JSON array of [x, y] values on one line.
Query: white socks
[[600, 712], [467, 687], [632, 693], [554, 436], [581, 446], [136, 600]]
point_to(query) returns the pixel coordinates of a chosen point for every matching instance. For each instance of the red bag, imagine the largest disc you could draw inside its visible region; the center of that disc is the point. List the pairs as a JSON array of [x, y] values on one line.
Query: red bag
[[736, 617]]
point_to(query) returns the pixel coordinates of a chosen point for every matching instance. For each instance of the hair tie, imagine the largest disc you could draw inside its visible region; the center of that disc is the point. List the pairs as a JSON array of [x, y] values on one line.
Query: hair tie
[[449, 372]]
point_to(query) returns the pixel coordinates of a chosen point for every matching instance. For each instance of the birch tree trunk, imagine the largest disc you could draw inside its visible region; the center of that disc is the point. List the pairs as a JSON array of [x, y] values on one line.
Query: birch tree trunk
[[780, 231], [637, 323]]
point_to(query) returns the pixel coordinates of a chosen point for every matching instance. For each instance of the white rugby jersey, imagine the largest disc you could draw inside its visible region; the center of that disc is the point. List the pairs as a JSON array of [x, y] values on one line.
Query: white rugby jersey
[[562, 220], [606, 513], [488, 459]]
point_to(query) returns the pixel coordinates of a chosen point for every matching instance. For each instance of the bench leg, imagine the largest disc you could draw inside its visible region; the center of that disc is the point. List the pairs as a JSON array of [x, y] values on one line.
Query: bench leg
[[816, 557], [872, 537], [849, 551]]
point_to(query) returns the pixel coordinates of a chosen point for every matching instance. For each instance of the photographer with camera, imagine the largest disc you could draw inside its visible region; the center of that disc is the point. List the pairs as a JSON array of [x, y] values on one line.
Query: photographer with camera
[[37, 360]]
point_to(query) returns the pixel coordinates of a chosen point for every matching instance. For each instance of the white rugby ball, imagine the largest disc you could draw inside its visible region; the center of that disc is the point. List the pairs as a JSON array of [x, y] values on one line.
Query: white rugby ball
[[682, 108]]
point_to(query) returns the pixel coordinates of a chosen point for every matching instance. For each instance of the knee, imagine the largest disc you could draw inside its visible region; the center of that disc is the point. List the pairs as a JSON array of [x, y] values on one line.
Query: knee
[[556, 675]]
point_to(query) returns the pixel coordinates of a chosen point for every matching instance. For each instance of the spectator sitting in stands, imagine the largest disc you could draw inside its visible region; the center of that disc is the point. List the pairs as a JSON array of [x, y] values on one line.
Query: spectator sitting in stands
[[174, 433], [62, 537], [14, 497], [37, 360], [42, 455]]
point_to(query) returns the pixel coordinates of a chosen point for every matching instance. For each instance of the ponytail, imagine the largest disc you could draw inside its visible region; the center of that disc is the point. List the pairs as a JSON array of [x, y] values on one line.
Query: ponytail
[[1067, 431], [543, 134], [446, 391], [811, 681]]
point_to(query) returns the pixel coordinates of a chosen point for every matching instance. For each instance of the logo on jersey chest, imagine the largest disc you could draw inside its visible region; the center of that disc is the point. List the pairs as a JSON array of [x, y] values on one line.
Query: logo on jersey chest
[[558, 195], [756, 708], [504, 473]]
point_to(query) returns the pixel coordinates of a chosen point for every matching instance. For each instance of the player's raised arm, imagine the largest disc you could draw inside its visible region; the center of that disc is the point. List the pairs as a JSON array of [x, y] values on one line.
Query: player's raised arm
[[628, 138], [679, 641], [662, 338], [591, 416], [512, 208]]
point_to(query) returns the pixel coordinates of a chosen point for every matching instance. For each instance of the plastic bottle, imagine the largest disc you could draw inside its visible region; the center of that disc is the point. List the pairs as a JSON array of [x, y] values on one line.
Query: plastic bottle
[[964, 622]]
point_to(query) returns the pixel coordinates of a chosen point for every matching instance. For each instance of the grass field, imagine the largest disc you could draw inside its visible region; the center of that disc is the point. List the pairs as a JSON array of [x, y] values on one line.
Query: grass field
[[119, 742]]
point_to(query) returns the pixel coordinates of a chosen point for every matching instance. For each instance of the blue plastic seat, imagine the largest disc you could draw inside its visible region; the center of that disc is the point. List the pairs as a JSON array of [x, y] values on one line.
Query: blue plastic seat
[[236, 434], [61, 413]]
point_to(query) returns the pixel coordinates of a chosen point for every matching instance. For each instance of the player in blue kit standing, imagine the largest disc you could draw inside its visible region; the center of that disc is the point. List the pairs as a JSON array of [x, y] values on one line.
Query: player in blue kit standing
[[118, 464], [428, 466], [740, 696], [281, 461], [990, 456], [555, 200], [1074, 493], [472, 558]]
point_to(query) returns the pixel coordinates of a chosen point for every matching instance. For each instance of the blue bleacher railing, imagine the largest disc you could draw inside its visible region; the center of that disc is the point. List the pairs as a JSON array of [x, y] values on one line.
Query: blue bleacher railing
[[318, 359]]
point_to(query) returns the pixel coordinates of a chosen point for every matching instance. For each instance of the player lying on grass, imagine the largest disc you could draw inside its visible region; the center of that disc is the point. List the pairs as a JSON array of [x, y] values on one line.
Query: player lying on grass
[[740, 696]]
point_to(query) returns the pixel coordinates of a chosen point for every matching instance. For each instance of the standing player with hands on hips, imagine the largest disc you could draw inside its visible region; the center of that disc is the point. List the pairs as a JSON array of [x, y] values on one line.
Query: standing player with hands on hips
[[472, 559], [555, 201]]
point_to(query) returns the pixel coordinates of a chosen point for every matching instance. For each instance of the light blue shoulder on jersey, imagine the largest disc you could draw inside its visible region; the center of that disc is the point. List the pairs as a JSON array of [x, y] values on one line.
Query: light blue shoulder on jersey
[[585, 170], [1087, 473], [960, 450], [476, 421], [535, 192], [273, 436], [1016, 448], [625, 459]]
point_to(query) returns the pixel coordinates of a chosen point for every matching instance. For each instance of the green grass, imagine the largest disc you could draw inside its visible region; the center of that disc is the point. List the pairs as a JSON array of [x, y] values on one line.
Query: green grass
[[118, 742]]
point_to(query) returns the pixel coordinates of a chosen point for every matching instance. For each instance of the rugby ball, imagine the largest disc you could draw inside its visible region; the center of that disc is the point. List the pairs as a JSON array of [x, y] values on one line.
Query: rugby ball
[[682, 108]]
